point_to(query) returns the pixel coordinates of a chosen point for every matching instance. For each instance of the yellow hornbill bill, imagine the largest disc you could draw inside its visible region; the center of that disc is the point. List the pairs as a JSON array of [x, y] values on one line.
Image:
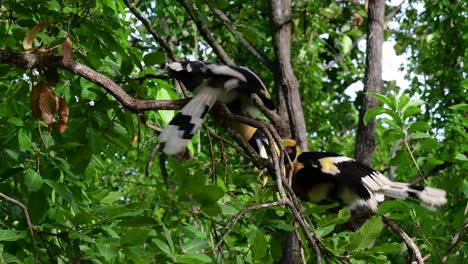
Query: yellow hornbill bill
[[210, 82], [321, 176]]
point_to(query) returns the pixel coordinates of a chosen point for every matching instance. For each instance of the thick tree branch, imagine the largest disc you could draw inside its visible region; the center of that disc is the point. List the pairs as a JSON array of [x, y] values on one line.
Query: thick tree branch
[[365, 137], [286, 82], [31, 61]]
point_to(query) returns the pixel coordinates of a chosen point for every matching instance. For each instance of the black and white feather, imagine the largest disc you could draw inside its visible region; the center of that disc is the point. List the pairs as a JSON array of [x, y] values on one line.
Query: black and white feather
[[210, 83], [323, 175]]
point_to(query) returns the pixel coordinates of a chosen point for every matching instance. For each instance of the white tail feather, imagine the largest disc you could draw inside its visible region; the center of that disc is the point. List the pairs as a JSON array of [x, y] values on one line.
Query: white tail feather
[[429, 197], [185, 124]]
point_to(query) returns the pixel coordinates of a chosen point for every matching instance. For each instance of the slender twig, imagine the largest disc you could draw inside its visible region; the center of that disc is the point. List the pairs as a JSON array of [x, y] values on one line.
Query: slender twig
[[412, 158], [213, 161], [409, 243], [148, 27], [457, 237], [342, 55], [162, 167], [232, 27], [274, 140], [28, 222], [207, 35], [151, 160], [233, 220]]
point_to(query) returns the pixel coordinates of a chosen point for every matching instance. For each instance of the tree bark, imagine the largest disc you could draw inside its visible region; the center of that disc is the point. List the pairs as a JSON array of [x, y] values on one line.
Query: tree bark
[[365, 138], [289, 105], [286, 82]]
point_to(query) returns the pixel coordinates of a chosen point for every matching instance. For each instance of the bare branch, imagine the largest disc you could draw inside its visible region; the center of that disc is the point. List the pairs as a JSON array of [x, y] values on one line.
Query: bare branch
[[228, 23], [207, 35], [29, 61], [229, 226], [459, 235], [28, 222], [343, 54], [148, 27], [409, 243]]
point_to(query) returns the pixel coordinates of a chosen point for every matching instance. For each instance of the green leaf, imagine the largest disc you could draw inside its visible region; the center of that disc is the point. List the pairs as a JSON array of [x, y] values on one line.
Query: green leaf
[[61, 189], [166, 115], [209, 194], [33, 180], [411, 107], [342, 217], [373, 112], [460, 107], [162, 246], [194, 245], [192, 258], [11, 235], [403, 101], [135, 254], [419, 135], [154, 58], [258, 244], [387, 248], [460, 156], [15, 121], [383, 99], [323, 231], [111, 197], [108, 251], [167, 235], [411, 111], [14, 154], [24, 139], [419, 126], [134, 236], [346, 44], [251, 34], [465, 188], [362, 238]]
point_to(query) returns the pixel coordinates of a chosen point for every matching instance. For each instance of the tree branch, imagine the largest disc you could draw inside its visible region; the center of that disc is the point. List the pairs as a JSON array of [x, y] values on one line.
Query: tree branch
[[28, 222], [207, 35], [455, 240], [30, 61], [285, 79], [365, 136], [228, 23], [148, 27], [409, 243]]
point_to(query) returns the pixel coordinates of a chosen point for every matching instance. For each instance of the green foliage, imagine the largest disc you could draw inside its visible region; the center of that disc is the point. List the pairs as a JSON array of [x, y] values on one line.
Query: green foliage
[[88, 188]]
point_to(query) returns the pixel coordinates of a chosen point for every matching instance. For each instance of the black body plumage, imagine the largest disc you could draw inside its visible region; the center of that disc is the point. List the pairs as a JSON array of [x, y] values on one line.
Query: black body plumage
[[210, 82]]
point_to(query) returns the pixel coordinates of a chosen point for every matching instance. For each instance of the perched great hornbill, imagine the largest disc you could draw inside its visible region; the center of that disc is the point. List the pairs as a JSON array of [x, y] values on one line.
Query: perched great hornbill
[[319, 176], [210, 82]]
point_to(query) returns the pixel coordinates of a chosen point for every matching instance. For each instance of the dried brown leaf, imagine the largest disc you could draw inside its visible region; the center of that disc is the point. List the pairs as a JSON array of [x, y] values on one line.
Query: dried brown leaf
[[48, 104], [64, 111], [35, 94], [32, 34], [66, 51]]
